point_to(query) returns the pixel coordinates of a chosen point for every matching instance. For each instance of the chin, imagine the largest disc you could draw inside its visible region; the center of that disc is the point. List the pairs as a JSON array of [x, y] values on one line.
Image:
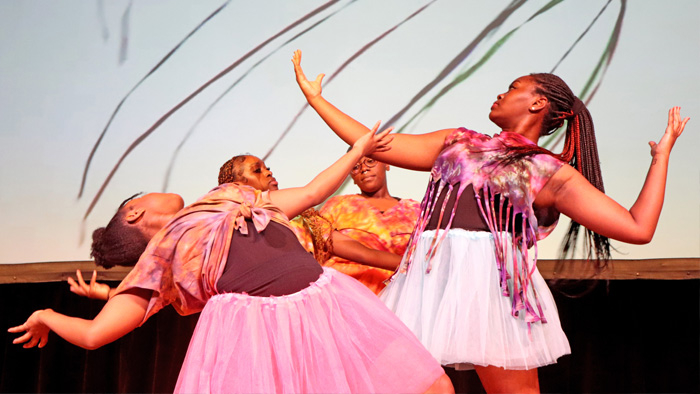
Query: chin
[[178, 202]]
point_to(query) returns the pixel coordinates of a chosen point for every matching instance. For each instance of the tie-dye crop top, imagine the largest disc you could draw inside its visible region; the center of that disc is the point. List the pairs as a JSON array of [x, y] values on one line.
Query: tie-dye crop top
[[184, 260], [502, 190]]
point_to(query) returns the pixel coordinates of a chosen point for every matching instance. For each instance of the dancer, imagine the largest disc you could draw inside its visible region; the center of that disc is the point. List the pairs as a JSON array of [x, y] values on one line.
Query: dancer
[[468, 285], [310, 227], [377, 256], [272, 319], [373, 217]]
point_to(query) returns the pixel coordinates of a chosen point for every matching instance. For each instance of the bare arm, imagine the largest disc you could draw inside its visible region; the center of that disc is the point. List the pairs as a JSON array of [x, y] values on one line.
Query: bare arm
[[571, 194], [120, 315], [415, 152], [350, 249], [294, 201]]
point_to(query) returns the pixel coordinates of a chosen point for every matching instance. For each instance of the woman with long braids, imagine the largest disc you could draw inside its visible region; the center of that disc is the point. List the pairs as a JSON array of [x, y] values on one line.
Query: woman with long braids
[[272, 319], [468, 285]]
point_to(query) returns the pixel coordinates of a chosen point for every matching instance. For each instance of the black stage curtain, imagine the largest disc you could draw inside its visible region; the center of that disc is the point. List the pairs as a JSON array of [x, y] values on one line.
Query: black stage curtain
[[627, 336]]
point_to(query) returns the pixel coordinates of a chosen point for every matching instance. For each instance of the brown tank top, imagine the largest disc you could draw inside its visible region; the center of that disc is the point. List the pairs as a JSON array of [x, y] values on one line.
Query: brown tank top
[[468, 215]]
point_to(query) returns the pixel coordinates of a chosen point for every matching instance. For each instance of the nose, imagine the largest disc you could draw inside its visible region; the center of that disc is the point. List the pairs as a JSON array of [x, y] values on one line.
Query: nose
[[500, 96]]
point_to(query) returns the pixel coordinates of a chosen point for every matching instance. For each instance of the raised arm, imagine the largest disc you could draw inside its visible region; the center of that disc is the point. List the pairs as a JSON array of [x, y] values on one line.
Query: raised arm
[[572, 195], [120, 315], [415, 152], [294, 201]]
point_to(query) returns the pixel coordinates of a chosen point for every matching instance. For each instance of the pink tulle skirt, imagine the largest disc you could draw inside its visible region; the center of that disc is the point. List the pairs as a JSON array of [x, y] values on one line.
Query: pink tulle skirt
[[335, 336]]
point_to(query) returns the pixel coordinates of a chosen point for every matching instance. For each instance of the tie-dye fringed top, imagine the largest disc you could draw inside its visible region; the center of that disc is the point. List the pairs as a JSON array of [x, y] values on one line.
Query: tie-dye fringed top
[[471, 158], [183, 261]]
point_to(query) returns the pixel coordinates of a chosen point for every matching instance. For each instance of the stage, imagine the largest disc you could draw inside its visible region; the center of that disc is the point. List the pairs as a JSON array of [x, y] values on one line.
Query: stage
[[627, 335]]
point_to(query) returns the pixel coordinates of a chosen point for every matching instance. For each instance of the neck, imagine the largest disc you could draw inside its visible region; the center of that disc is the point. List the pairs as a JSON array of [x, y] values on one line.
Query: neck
[[528, 131], [154, 224], [381, 193]]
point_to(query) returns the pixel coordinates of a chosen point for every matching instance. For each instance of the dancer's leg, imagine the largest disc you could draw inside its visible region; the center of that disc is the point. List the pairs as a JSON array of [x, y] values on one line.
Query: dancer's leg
[[500, 380], [443, 384]]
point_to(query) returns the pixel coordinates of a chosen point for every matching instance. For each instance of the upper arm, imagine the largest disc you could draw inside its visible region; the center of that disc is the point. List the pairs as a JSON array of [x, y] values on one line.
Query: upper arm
[[570, 193], [414, 151], [292, 201], [121, 314]]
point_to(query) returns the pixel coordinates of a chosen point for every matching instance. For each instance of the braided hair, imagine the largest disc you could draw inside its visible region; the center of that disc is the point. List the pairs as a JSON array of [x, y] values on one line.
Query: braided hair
[[580, 151], [232, 171], [118, 243]]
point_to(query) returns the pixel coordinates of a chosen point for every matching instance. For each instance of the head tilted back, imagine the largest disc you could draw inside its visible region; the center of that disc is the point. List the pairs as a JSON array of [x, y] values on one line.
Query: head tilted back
[[119, 243], [580, 150], [232, 170], [580, 147]]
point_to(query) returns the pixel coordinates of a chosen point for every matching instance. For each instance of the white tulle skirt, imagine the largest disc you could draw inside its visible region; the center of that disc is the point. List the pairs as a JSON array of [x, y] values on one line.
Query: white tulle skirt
[[335, 336], [459, 313]]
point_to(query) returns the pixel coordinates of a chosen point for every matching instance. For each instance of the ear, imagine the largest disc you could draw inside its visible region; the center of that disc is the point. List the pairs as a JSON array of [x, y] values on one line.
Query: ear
[[539, 104], [134, 215]]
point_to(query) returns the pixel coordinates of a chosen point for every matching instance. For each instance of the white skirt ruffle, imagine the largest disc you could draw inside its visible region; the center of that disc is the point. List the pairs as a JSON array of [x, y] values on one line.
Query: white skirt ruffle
[[459, 312]]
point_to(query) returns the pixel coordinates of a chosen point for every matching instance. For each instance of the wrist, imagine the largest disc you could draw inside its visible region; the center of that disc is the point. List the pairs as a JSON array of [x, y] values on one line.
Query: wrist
[[42, 315], [314, 100], [356, 152], [660, 157]]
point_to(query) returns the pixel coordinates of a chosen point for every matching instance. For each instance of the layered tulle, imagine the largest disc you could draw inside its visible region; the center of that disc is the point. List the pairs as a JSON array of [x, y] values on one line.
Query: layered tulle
[[459, 312], [333, 337]]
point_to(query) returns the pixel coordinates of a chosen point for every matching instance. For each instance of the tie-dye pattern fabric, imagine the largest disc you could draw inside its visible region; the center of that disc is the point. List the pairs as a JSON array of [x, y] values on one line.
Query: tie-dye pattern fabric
[[313, 232], [313, 341], [387, 231], [185, 259], [472, 158]]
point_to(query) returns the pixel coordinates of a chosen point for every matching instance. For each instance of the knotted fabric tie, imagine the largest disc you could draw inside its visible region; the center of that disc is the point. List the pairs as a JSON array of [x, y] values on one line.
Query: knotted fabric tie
[[259, 216]]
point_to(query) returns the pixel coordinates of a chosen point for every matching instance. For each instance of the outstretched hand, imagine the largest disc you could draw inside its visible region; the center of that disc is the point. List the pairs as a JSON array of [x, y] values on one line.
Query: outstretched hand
[[374, 142], [311, 89], [674, 129], [98, 291], [36, 332]]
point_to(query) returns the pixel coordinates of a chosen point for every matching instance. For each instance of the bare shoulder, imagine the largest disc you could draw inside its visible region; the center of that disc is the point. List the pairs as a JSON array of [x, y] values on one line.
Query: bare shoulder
[[554, 187]]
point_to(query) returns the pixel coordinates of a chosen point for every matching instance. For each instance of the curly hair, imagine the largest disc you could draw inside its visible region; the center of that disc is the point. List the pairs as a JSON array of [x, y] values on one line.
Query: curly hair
[[232, 171], [118, 243]]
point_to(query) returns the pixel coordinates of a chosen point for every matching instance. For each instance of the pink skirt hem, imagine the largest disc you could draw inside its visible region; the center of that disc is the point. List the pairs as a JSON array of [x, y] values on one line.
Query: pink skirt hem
[[334, 336]]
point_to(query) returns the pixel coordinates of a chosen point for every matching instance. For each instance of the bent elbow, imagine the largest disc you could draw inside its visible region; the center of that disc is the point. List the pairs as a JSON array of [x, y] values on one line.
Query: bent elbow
[[646, 240], [92, 340], [91, 344], [642, 238]]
